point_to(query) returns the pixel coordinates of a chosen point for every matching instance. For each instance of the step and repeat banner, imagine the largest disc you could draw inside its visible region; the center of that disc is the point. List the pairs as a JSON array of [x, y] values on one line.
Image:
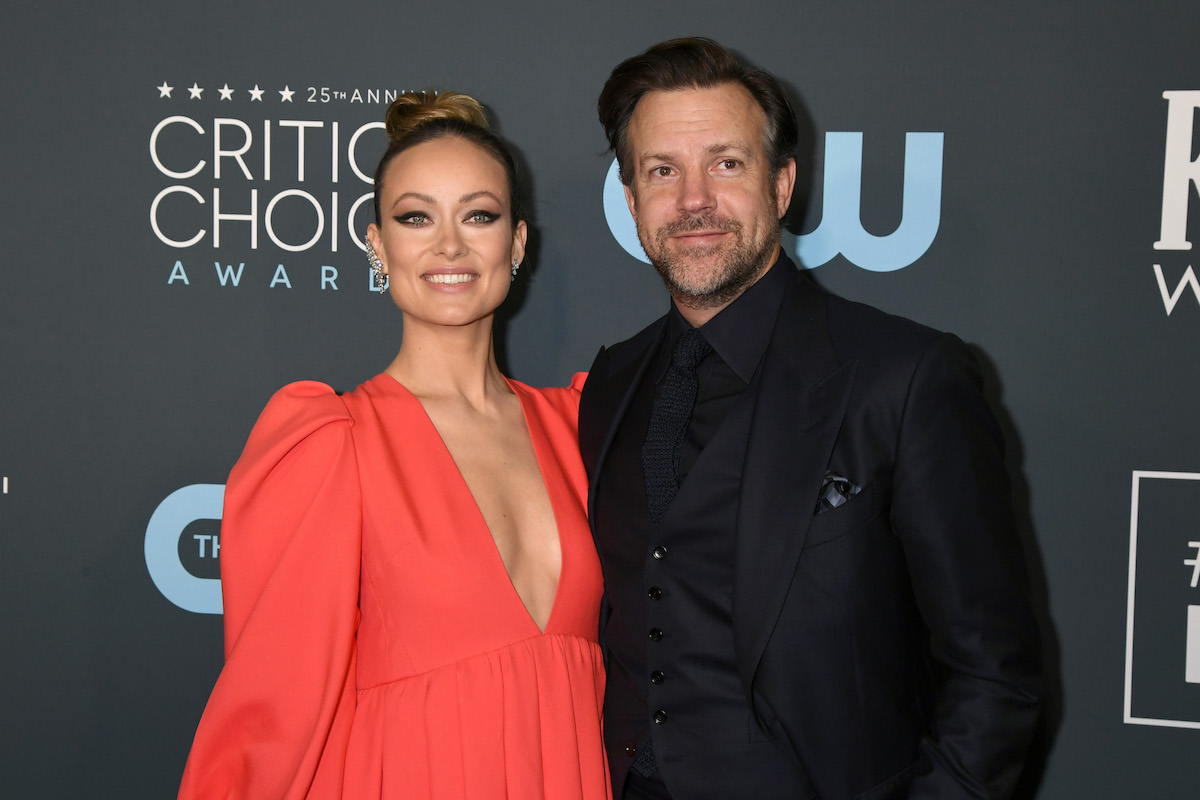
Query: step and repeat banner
[[186, 188]]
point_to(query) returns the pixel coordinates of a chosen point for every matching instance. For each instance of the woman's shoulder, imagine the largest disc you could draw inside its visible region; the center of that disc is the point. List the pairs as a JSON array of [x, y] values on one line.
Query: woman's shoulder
[[555, 410], [302, 407], [564, 397], [300, 412]]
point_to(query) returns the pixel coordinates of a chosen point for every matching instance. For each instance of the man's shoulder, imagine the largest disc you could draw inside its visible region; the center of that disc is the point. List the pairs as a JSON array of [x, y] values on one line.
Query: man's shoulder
[[858, 331], [887, 349], [618, 356], [609, 380]]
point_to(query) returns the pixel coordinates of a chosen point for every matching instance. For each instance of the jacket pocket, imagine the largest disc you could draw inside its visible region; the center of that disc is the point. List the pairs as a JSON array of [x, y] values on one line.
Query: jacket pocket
[[846, 518]]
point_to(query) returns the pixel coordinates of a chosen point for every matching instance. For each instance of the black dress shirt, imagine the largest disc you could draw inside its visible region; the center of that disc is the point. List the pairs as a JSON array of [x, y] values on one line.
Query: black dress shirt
[[739, 335]]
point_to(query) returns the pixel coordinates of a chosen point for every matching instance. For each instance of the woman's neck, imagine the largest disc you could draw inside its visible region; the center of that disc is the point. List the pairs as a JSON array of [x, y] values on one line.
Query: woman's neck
[[449, 362]]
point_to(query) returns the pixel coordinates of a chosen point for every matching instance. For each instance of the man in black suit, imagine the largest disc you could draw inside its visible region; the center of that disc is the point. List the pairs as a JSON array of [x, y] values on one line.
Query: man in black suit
[[813, 584]]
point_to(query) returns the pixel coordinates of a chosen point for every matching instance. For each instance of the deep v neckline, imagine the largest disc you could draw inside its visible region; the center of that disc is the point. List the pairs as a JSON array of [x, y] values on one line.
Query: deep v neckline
[[538, 445]]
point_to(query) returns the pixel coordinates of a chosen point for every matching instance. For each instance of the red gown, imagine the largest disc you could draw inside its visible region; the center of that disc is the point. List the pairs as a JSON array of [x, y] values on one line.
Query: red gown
[[374, 645]]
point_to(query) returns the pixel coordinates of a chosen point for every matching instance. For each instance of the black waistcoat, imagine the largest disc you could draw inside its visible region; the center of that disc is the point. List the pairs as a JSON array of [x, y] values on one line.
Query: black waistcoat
[[672, 673]]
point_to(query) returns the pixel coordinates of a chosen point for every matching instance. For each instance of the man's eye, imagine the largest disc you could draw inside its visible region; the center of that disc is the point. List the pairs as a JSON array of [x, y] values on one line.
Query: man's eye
[[662, 172], [730, 163]]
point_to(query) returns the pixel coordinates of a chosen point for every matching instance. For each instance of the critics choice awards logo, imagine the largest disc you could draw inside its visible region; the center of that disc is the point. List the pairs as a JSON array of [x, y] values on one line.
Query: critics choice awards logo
[[264, 186]]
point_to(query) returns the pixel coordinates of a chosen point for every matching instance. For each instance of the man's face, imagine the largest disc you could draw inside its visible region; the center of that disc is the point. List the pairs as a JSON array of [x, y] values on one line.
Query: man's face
[[706, 206]]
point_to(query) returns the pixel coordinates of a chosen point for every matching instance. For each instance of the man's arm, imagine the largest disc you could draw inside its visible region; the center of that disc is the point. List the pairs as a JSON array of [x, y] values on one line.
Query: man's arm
[[952, 509]]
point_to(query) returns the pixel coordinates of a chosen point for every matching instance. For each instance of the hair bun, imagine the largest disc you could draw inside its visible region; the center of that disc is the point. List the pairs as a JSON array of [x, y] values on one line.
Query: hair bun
[[411, 110]]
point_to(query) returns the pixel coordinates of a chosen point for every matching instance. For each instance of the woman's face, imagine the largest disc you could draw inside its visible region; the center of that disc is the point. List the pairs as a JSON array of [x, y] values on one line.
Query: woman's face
[[447, 239]]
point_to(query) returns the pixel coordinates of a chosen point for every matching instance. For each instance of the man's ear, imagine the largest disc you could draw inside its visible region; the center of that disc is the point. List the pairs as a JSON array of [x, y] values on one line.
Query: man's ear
[[631, 201], [785, 182]]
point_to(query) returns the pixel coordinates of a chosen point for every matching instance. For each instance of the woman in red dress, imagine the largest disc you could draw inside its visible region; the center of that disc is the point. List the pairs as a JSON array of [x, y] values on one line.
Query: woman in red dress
[[410, 586]]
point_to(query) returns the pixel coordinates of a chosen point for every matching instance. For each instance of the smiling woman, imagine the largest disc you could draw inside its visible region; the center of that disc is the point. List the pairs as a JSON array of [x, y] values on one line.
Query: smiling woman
[[411, 591], [447, 241]]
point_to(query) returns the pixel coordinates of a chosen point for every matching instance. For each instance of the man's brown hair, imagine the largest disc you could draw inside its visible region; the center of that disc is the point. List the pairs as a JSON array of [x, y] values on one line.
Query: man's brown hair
[[692, 63]]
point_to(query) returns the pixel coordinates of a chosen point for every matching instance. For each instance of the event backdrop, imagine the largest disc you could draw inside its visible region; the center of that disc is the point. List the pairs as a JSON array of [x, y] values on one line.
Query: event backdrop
[[184, 200]]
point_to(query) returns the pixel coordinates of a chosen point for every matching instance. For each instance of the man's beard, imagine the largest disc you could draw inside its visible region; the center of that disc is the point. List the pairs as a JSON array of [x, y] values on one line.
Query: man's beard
[[739, 263]]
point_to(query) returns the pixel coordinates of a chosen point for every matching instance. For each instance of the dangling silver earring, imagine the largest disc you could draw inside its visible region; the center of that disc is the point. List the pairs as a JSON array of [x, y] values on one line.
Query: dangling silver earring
[[376, 269], [516, 266]]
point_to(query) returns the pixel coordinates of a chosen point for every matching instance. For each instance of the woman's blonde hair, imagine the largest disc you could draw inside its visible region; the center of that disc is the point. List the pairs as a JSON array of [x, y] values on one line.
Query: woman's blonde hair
[[411, 110]]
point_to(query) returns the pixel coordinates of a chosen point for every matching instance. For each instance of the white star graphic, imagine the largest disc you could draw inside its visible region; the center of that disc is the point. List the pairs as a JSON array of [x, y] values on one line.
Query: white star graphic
[[195, 91], [286, 94], [226, 92], [256, 93], [164, 90]]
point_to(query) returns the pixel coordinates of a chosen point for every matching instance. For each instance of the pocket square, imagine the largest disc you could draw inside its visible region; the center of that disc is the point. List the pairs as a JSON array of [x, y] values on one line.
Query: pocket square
[[835, 491]]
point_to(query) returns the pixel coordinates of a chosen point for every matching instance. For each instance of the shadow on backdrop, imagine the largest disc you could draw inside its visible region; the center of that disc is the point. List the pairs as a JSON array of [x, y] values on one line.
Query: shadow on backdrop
[[518, 292], [1039, 590], [806, 156]]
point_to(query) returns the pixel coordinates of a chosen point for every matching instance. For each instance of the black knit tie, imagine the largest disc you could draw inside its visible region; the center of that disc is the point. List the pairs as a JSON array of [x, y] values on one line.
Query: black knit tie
[[669, 422]]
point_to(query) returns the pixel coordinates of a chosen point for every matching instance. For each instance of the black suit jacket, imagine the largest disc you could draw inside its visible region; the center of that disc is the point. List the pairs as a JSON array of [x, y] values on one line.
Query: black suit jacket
[[887, 643]]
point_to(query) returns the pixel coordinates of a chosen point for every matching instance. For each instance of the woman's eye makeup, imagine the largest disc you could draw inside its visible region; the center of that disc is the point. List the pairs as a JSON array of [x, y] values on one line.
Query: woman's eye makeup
[[477, 217]]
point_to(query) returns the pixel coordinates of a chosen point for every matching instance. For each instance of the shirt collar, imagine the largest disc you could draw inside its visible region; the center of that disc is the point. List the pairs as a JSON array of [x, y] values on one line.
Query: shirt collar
[[740, 332]]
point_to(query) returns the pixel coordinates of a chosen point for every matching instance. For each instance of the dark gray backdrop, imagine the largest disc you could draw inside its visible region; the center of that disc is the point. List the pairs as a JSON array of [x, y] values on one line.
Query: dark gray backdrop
[[121, 386]]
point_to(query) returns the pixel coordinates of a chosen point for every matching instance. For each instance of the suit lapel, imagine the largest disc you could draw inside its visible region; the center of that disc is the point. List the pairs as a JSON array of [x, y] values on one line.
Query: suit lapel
[[802, 396], [609, 398]]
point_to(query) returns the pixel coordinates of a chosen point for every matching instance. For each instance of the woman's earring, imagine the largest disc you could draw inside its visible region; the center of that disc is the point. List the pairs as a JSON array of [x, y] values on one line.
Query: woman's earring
[[516, 266], [376, 269]]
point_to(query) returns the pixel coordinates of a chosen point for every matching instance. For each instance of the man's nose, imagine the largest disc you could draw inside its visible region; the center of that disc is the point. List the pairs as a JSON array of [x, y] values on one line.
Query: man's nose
[[696, 192]]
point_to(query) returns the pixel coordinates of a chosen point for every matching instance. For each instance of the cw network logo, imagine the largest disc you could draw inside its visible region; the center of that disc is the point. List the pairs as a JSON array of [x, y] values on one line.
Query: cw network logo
[[165, 540], [1181, 173], [841, 230]]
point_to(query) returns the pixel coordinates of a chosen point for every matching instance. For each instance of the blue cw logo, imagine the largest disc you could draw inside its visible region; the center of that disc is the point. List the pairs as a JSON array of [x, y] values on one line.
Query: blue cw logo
[[841, 229]]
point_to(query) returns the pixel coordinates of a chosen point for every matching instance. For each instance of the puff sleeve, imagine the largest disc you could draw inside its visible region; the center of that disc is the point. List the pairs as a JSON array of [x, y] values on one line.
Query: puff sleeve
[[575, 391], [278, 720]]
